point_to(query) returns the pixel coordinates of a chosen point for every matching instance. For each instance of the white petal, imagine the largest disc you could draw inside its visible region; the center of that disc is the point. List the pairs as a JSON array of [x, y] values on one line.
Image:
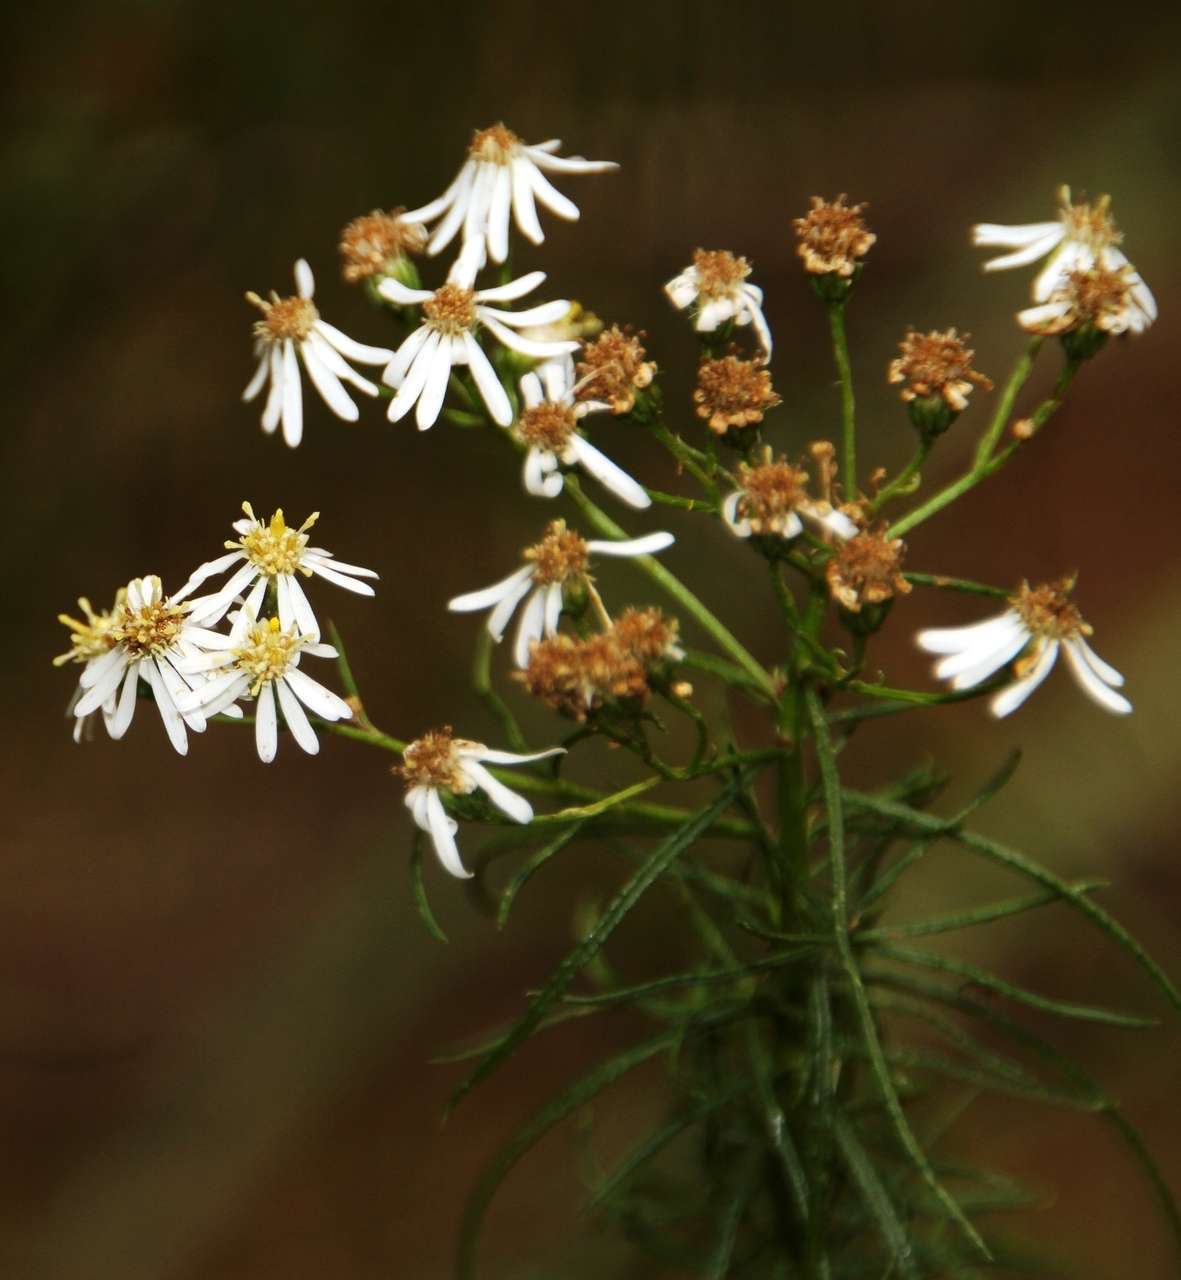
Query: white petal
[[1031, 253], [395, 372], [567, 164], [489, 597], [328, 385], [541, 477], [524, 209], [648, 545], [442, 829], [297, 721], [531, 393], [491, 389], [513, 290], [401, 294], [557, 375], [283, 597], [1008, 700], [429, 212], [530, 627], [969, 674], [334, 573], [1104, 670], [120, 722], [475, 222], [98, 669], [526, 346], [715, 312], [543, 313], [553, 608], [260, 376], [305, 283], [955, 639], [415, 378], [1054, 274], [992, 234], [444, 233], [1036, 318], [508, 802], [273, 408], [682, 289], [434, 390], [999, 639], [415, 800], [729, 513], [320, 701], [292, 397], [174, 726], [609, 475], [509, 757], [207, 570], [357, 351], [498, 214], [266, 724], [498, 619], [762, 329], [547, 194], [1098, 690]]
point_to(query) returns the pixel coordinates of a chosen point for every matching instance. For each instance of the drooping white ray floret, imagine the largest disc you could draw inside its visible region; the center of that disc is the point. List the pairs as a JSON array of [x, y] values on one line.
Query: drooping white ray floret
[[714, 285], [290, 332], [502, 175]]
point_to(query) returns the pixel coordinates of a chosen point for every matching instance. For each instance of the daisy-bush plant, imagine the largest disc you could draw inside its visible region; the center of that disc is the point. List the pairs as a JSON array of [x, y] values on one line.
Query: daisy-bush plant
[[787, 1143]]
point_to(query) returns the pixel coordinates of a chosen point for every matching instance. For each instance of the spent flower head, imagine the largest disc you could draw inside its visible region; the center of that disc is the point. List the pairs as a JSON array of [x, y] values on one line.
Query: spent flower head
[[866, 570], [936, 375], [733, 393], [833, 238], [378, 244], [1038, 623], [1088, 305], [613, 368], [772, 499]]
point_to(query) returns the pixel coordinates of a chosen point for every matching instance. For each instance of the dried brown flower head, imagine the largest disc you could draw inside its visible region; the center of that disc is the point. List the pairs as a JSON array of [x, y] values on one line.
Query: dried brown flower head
[[719, 272], [371, 244], [648, 635], [867, 570], [1047, 610], [561, 555], [1089, 224], [936, 364], [430, 761], [496, 144], [547, 426], [575, 676], [832, 237], [770, 494], [1094, 296], [613, 368], [733, 393]]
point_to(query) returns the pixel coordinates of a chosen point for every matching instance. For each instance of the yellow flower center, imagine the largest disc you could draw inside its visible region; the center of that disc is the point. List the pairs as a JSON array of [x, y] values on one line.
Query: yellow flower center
[[150, 630], [93, 637], [1048, 611], [497, 145], [283, 318], [274, 548], [547, 426], [431, 761], [267, 651], [1089, 224], [451, 310]]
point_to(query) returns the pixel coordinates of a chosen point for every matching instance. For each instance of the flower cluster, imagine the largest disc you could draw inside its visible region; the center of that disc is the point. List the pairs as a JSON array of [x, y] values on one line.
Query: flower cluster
[[772, 499], [195, 672]]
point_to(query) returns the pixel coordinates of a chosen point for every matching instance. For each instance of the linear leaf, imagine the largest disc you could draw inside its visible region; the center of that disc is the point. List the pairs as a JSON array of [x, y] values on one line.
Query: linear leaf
[[640, 881], [524, 874], [877, 1199], [550, 1115], [418, 890]]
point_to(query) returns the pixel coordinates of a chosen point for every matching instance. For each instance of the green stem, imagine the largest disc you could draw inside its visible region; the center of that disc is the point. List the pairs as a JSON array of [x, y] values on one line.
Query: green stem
[[676, 589], [902, 481], [840, 351], [693, 460], [1004, 409]]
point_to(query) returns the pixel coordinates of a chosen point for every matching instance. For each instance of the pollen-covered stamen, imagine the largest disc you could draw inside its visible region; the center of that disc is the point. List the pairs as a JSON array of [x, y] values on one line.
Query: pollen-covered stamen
[[283, 318], [432, 761], [832, 236], [733, 393], [867, 570], [150, 630], [267, 651], [1089, 224], [547, 426], [451, 310], [90, 638], [771, 493], [371, 243], [560, 557], [936, 364], [613, 368], [274, 548], [497, 144], [719, 272], [1047, 610]]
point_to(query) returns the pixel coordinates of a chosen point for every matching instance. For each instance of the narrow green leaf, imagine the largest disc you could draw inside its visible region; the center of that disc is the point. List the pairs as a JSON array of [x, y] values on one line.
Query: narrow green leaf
[[732, 1212], [882, 885], [342, 662], [535, 863], [877, 1199], [994, 851], [418, 889], [956, 920], [579, 813], [641, 880], [550, 1115], [826, 762]]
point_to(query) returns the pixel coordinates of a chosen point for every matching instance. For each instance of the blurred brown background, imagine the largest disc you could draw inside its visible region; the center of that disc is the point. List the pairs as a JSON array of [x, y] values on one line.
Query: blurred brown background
[[217, 1007]]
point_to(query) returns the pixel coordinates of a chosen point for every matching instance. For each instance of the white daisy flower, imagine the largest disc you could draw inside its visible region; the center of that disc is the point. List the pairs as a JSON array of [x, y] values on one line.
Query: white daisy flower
[[438, 762], [773, 498], [1082, 236], [260, 660], [452, 315], [548, 426], [290, 331], [502, 173], [1039, 621], [556, 566], [275, 553], [146, 637], [715, 286]]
